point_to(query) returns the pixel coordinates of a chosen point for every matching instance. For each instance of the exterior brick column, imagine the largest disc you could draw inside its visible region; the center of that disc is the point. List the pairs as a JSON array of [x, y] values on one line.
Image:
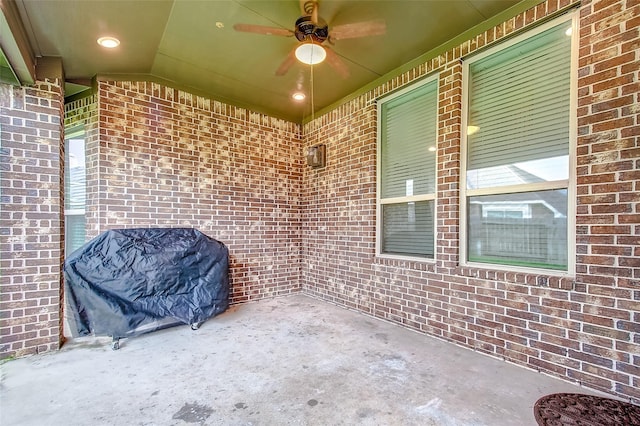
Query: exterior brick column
[[31, 218]]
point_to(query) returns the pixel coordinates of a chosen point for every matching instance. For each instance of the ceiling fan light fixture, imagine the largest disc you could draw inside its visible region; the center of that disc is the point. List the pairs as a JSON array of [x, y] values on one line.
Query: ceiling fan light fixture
[[310, 53]]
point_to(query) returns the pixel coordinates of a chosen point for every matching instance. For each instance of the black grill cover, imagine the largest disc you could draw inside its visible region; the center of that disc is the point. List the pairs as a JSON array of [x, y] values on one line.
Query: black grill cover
[[129, 281]]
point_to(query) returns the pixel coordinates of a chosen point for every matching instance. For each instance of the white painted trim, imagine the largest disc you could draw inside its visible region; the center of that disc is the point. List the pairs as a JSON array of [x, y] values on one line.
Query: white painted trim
[[573, 143], [413, 198], [515, 189]]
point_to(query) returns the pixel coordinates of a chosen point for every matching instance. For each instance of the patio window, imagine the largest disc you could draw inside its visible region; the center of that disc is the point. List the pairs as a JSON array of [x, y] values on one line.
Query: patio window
[[406, 171], [74, 192], [516, 160]]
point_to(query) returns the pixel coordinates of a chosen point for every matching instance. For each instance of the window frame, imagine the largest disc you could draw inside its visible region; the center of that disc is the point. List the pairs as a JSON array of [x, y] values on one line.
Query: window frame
[[380, 202], [568, 184]]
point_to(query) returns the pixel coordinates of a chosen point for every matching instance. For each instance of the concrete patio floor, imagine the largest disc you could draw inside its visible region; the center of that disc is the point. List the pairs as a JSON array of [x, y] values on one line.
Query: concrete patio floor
[[288, 361]]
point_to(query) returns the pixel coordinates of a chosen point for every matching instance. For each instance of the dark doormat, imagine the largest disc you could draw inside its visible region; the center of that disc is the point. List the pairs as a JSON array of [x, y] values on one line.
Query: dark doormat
[[573, 409]]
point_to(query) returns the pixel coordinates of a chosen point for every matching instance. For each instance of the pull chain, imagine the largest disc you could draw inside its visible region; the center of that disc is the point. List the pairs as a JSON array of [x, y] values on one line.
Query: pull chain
[[312, 92]]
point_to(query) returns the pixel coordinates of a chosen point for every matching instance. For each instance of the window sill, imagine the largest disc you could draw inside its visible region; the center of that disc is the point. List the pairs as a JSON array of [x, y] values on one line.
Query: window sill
[[533, 277], [415, 263]]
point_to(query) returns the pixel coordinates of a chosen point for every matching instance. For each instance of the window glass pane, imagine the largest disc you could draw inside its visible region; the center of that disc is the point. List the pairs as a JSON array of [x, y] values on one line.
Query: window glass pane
[[75, 175], [75, 194], [523, 229], [408, 228], [519, 112], [534, 171], [408, 140], [75, 226]]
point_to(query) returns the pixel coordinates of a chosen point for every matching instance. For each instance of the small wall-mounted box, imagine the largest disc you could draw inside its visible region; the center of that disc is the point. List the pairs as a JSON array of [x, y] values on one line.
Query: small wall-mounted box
[[316, 156]]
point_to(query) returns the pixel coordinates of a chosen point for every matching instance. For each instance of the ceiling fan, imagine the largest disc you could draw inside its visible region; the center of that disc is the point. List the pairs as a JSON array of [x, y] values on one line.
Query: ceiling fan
[[312, 31]]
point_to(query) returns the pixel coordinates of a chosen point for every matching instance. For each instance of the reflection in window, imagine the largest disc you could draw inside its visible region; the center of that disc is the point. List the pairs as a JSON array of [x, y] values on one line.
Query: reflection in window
[[547, 170], [521, 229]]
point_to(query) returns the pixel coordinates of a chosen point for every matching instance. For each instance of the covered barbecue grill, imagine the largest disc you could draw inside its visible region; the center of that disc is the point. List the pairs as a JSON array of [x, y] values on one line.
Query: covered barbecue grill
[[130, 281]]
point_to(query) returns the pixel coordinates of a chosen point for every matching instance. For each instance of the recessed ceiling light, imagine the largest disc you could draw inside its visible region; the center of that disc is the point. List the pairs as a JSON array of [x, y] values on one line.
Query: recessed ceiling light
[[569, 31], [108, 42], [472, 129], [432, 149], [219, 25], [298, 96]]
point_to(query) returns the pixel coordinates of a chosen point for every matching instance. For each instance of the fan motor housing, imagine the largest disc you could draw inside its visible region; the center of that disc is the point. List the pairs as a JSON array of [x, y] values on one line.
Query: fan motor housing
[[306, 29]]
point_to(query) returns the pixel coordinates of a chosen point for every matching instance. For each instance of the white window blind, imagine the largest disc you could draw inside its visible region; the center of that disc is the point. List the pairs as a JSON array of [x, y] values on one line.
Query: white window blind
[[408, 228], [519, 102], [408, 131]]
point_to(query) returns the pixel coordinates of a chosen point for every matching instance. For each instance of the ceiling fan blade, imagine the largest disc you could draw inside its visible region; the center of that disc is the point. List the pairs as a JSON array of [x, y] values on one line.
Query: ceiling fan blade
[[358, 29], [260, 29], [336, 62], [287, 63]]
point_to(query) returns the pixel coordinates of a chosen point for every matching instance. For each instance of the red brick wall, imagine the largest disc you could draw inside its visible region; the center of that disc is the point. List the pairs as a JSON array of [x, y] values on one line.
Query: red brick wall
[[31, 240], [607, 294], [166, 158], [586, 329]]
